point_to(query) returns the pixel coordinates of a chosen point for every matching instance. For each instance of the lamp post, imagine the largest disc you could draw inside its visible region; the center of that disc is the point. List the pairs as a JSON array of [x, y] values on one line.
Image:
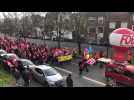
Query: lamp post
[[79, 36], [59, 29]]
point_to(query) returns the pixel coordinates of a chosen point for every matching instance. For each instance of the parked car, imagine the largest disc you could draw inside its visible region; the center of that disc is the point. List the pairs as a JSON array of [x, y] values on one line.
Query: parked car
[[27, 62], [8, 60], [47, 75], [2, 51]]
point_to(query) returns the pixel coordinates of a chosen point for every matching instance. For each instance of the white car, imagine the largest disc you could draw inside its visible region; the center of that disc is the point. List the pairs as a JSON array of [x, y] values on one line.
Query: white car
[[47, 75]]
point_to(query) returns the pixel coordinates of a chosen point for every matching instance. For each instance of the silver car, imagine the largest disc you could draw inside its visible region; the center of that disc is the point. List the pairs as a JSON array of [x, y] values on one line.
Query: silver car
[[27, 63], [48, 75]]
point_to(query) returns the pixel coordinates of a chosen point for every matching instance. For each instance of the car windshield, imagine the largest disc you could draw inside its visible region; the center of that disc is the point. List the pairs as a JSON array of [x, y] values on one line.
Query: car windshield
[[2, 52], [26, 63], [11, 57], [51, 72]]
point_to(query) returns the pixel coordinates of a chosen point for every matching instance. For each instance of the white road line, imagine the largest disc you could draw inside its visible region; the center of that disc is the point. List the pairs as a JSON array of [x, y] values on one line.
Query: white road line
[[74, 64], [97, 82], [64, 70], [84, 77]]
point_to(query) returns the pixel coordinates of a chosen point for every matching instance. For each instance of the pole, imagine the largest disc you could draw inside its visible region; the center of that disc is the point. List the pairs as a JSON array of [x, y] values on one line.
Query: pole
[[59, 30]]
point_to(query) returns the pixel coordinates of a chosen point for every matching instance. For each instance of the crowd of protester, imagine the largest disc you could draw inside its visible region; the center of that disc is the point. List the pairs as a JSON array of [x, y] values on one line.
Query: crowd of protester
[[24, 49]]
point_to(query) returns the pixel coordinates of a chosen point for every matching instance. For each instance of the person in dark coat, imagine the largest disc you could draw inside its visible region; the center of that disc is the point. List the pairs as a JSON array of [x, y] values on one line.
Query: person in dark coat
[[20, 66], [85, 66], [81, 67], [16, 75], [26, 77], [69, 81]]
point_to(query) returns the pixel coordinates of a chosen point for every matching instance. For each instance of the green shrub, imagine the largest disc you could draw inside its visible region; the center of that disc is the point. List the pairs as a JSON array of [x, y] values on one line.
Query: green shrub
[[6, 79]]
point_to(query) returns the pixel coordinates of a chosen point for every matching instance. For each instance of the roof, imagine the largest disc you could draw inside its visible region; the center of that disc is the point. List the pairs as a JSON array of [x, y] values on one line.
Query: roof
[[43, 67]]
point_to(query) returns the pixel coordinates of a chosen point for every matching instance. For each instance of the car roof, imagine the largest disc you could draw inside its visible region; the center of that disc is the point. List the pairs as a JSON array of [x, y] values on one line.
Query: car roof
[[25, 60], [2, 50], [43, 67], [9, 54]]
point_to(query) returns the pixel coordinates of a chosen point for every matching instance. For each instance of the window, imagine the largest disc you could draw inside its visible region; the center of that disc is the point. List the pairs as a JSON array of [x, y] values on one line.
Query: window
[[109, 69], [112, 25], [133, 27], [129, 74], [133, 18], [26, 63], [38, 70], [100, 30], [100, 20], [92, 20], [51, 72], [124, 24], [92, 30]]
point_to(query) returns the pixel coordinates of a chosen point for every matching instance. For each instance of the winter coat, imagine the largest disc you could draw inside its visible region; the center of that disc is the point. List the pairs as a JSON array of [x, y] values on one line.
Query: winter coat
[[69, 81]]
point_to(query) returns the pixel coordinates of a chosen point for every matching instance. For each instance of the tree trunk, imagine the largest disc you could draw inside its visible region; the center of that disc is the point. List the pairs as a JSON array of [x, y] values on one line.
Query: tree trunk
[[59, 39]]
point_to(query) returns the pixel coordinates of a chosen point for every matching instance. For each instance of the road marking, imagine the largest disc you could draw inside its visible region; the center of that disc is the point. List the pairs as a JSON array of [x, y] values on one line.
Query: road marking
[[64, 70], [97, 82], [84, 77], [74, 64]]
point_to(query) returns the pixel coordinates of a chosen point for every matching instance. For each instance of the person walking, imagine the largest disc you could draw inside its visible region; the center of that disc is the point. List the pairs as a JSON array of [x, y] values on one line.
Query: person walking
[[129, 58], [69, 81], [16, 75], [26, 77], [85, 65], [81, 66]]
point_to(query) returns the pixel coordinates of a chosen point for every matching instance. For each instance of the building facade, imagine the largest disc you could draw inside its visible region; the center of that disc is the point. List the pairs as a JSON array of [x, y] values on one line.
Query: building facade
[[101, 24], [96, 25], [116, 20]]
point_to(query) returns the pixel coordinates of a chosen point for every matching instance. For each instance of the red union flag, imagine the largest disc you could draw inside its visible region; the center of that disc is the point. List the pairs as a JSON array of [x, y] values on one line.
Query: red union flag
[[91, 61]]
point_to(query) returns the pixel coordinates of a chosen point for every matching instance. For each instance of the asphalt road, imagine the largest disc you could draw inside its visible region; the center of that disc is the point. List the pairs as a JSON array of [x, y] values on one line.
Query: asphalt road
[[93, 78]]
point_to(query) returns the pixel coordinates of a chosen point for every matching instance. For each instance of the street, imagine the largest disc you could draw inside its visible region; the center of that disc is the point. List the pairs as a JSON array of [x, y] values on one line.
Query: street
[[96, 48], [93, 78]]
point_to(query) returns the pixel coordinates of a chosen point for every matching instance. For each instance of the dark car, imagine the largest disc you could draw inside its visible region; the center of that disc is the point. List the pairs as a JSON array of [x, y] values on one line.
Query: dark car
[[8, 60], [2, 51]]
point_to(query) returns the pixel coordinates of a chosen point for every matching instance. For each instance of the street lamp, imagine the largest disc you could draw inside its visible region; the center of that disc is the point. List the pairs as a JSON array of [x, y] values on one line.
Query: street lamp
[[79, 36], [59, 29]]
